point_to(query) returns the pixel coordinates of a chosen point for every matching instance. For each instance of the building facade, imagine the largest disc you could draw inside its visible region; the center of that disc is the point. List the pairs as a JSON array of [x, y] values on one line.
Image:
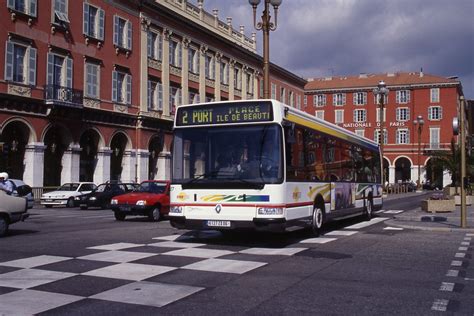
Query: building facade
[[349, 101], [90, 87]]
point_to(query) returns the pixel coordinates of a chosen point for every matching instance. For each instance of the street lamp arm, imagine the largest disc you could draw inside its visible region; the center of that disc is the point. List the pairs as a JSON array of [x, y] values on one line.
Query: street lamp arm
[[273, 26]]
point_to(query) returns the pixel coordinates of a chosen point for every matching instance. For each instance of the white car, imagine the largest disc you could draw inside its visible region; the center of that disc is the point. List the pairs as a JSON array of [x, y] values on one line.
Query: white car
[[66, 193], [21, 189]]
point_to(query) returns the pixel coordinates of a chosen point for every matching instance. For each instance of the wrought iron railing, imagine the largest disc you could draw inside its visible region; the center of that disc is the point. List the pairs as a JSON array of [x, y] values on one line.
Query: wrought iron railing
[[64, 95]]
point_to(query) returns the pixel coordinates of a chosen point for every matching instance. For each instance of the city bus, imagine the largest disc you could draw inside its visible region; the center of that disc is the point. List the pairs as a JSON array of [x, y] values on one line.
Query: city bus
[[263, 165]]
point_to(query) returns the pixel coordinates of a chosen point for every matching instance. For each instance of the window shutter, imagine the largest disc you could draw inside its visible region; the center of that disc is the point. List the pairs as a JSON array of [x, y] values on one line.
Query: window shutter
[[160, 46], [171, 53], [180, 56], [129, 88], [155, 96], [354, 98], [9, 61], [206, 66], [11, 4], [85, 19], [408, 96], [149, 103], [160, 96], [180, 100], [129, 35], [68, 72], [114, 86], [190, 60], [101, 24], [50, 79], [343, 99], [398, 114], [33, 8], [149, 44], [213, 69], [440, 112], [116, 28], [398, 97], [408, 136], [408, 114], [32, 66], [364, 96], [355, 116]]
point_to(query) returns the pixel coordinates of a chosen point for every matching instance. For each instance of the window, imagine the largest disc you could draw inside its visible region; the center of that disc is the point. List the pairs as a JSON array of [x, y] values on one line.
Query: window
[[59, 71], [175, 50], [360, 98], [121, 87], [377, 115], [274, 91], [282, 94], [209, 98], [28, 7], [175, 98], [320, 114], [193, 60], [122, 33], [210, 67], [435, 113], [291, 98], [339, 99], [360, 132], [319, 100], [305, 100], [60, 12], [434, 137], [155, 96], [360, 116], [193, 97], [93, 21], [377, 136], [403, 96], [403, 136], [20, 63], [249, 83], [92, 79], [339, 116], [237, 78], [154, 45], [434, 95], [403, 114], [298, 102], [225, 73]]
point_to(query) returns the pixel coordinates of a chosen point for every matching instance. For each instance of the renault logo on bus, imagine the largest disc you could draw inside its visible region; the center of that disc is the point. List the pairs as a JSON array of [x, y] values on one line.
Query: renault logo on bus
[[218, 208]]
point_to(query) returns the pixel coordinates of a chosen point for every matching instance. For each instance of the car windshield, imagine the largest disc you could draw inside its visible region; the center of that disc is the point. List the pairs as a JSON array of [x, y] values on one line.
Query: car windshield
[[102, 188], [244, 156], [69, 187], [152, 187]]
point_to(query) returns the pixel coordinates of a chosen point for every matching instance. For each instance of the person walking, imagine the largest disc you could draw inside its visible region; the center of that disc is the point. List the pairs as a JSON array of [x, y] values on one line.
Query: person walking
[[5, 185]]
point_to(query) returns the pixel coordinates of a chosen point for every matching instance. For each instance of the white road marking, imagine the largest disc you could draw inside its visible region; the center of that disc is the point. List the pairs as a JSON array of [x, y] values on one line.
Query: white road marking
[[446, 287], [341, 233], [440, 305], [378, 212], [198, 253], [117, 246], [394, 211], [225, 265], [452, 273], [130, 271], [460, 255], [393, 228], [456, 263], [463, 248], [117, 256], [33, 262], [272, 251], [369, 223], [317, 240], [470, 235], [465, 243], [467, 238]]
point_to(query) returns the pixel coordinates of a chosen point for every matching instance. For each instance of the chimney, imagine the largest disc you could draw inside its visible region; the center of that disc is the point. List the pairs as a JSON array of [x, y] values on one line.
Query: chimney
[[421, 72], [215, 12]]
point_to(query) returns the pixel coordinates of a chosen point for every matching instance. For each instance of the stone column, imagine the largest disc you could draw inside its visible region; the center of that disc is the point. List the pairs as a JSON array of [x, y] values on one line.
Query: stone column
[[143, 164], [102, 170], [244, 82], [33, 160], [164, 166], [185, 71], [165, 80], [128, 166], [255, 84], [217, 86], [71, 164], [231, 78], [391, 174], [202, 73]]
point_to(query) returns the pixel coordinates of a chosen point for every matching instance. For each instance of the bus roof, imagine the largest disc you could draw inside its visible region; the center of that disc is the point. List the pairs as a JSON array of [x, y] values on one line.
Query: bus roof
[[280, 113]]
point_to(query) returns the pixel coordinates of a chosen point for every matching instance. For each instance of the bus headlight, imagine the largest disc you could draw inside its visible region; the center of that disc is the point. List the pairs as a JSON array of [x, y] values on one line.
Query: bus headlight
[[176, 209], [114, 201], [141, 203], [270, 211]]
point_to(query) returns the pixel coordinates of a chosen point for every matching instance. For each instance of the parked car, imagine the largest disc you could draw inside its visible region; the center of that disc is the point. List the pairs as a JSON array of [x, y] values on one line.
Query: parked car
[[12, 209], [151, 198], [22, 189], [65, 194], [101, 196]]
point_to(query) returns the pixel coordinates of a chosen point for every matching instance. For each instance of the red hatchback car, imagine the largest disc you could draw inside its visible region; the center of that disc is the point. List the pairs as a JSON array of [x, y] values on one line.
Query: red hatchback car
[[151, 198]]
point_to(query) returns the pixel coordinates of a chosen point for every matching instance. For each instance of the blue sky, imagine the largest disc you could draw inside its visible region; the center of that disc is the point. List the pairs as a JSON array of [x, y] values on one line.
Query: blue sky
[[318, 38]]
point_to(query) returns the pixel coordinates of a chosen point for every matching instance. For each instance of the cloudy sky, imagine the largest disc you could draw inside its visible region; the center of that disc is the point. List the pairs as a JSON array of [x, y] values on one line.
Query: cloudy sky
[[318, 38]]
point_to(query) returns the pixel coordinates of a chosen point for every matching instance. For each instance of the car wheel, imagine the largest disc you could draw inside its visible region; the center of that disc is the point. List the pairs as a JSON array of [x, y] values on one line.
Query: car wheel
[[3, 226], [70, 202], [154, 214], [317, 220], [83, 207], [369, 209], [119, 216]]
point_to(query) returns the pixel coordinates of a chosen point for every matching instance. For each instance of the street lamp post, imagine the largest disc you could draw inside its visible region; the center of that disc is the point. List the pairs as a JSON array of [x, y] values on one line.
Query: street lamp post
[[419, 122], [381, 92], [266, 25]]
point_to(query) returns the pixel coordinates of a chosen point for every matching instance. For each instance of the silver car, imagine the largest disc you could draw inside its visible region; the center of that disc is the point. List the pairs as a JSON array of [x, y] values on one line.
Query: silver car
[[12, 209], [22, 189]]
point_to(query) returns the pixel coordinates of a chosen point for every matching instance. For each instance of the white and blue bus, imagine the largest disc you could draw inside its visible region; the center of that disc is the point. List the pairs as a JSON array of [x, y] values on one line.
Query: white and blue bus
[[263, 165]]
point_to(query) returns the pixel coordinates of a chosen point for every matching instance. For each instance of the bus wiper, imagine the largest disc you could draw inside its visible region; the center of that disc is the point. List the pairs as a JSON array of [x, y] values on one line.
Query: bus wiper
[[202, 176], [256, 185]]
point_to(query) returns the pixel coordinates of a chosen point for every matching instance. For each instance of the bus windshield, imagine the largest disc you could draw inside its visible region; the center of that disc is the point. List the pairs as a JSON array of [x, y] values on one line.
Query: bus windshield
[[232, 157]]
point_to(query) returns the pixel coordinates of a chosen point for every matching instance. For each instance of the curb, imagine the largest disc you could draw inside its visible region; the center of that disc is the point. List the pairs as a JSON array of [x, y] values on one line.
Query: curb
[[394, 223]]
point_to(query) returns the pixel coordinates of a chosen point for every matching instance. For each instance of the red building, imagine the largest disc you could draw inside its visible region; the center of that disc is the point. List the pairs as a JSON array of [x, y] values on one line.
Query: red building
[[89, 88], [349, 101]]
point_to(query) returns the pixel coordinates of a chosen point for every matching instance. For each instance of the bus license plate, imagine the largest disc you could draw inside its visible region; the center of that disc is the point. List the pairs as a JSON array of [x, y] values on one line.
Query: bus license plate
[[218, 223]]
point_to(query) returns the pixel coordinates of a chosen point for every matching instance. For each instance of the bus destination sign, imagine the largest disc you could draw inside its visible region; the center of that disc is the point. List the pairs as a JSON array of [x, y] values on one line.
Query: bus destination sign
[[224, 113]]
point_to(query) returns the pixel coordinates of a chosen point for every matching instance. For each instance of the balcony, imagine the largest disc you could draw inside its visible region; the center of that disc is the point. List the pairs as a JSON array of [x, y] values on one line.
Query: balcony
[[58, 95]]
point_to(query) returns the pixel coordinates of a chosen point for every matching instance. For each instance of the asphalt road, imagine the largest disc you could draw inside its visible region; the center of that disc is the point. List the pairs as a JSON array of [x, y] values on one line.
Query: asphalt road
[[67, 261]]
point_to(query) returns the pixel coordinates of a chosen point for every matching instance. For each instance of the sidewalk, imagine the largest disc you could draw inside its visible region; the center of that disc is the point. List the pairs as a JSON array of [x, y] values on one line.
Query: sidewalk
[[418, 219]]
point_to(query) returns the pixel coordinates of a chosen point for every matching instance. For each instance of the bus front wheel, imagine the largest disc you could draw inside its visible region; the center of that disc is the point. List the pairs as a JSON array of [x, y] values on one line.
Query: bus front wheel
[[317, 220], [369, 208]]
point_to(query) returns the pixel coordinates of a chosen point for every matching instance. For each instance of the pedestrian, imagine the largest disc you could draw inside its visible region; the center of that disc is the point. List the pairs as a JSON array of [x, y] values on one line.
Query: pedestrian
[[5, 185]]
